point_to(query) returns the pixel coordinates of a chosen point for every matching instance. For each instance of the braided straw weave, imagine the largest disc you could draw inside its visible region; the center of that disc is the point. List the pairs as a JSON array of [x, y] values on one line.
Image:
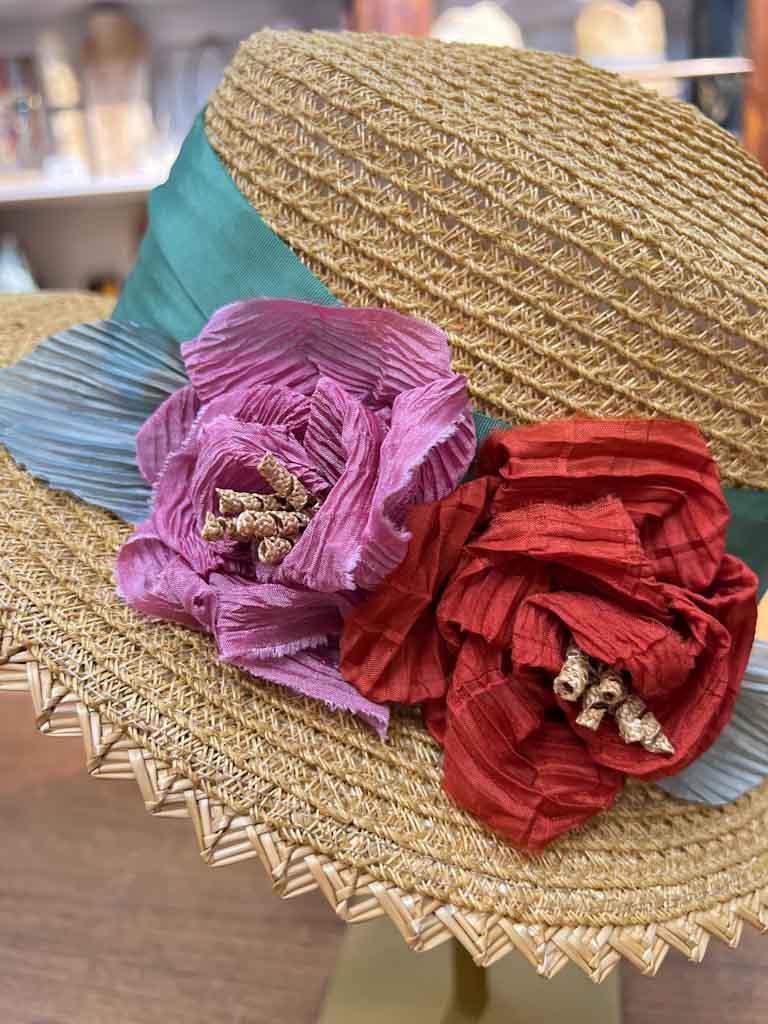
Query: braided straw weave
[[588, 246], [314, 795], [25, 321]]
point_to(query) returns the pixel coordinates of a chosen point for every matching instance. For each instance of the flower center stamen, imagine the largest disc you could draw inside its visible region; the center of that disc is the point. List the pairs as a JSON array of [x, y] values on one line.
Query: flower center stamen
[[275, 521], [602, 690]]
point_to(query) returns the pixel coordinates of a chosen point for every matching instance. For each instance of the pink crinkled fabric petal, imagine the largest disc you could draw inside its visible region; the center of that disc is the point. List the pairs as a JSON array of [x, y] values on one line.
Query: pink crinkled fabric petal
[[323, 440], [316, 674], [164, 432], [426, 453], [330, 548], [175, 518], [268, 620], [265, 404], [230, 452], [176, 510], [156, 581], [373, 353]]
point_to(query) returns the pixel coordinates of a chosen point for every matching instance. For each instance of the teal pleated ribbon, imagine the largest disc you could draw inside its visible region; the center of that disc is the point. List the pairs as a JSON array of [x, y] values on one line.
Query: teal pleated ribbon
[[206, 246]]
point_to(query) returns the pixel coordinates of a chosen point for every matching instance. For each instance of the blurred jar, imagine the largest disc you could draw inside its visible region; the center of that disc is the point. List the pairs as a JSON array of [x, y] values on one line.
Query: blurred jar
[[718, 29], [116, 85], [68, 154], [15, 275], [184, 79], [396, 17], [621, 36], [484, 22]]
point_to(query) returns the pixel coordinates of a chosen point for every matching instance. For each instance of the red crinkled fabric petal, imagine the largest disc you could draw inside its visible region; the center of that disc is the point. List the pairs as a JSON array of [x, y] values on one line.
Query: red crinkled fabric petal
[[661, 470], [482, 597], [390, 650], [513, 763]]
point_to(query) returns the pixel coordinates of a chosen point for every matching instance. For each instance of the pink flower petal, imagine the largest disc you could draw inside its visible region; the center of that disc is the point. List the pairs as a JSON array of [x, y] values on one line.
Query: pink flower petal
[[328, 552], [154, 580], [323, 440], [175, 518], [165, 431], [225, 453], [230, 452], [373, 353], [425, 455], [268, 620], [316, 674], [265, 404]]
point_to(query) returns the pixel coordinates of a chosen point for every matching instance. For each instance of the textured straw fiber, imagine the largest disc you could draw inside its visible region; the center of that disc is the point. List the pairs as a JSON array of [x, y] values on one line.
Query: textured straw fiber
[[314, 795], [25, 320], [587, 246]]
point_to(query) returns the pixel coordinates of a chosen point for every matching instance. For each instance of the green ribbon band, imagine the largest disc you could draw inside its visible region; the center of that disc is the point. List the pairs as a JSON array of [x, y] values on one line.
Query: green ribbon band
[[207, 246]]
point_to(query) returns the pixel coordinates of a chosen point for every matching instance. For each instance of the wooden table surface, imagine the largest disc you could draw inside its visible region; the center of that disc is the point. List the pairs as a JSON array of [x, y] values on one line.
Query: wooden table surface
[[108, 916]]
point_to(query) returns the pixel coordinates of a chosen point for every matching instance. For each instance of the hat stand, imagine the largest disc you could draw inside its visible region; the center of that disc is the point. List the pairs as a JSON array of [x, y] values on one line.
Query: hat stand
[[378, 980]]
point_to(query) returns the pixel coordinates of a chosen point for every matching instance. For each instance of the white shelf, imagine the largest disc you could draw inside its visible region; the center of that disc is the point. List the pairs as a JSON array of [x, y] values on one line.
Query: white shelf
[[41, 191], [698, 67]]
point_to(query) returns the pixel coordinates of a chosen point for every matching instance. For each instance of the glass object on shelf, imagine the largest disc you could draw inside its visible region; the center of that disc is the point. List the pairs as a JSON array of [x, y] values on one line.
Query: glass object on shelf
[[68, 154], [396, 17], [755, 110], [621, 36], [116, 83], [22, 129], [183, 80], [15, 275], [483, 22]]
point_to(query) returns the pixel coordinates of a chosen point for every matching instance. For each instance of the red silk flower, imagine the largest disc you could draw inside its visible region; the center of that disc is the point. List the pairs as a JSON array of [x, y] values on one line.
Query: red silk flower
[[606, 534]]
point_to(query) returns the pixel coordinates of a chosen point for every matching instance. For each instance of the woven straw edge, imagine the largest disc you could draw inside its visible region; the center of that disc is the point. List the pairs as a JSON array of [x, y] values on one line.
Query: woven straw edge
[[225, 837]]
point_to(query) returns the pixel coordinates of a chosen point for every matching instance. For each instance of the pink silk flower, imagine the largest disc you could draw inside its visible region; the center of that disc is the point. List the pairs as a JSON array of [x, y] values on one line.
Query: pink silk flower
[[362, 406]]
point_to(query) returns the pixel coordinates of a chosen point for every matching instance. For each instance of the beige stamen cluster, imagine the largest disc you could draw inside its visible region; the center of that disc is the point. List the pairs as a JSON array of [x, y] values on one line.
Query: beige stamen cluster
[[602, 690], [286, 486], [273, 521], [231, 503]]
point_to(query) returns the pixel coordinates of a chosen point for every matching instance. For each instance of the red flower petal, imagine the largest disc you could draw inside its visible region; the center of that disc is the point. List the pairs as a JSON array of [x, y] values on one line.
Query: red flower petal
[[512, 764], [390, 650], [661, 470]]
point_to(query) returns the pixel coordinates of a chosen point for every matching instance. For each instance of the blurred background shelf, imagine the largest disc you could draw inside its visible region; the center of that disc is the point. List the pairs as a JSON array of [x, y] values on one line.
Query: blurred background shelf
[[701, 67], [79, 231], [40, 192]]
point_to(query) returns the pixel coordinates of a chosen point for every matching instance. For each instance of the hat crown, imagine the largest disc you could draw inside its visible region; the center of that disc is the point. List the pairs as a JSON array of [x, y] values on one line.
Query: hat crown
[[589, 247]]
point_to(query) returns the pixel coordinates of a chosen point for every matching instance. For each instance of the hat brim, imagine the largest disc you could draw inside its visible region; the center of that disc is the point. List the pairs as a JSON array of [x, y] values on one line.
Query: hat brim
[[315, 795]]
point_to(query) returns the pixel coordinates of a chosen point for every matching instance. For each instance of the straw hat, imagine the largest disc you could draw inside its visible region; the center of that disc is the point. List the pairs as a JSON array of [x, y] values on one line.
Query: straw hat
[[588, 248]]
